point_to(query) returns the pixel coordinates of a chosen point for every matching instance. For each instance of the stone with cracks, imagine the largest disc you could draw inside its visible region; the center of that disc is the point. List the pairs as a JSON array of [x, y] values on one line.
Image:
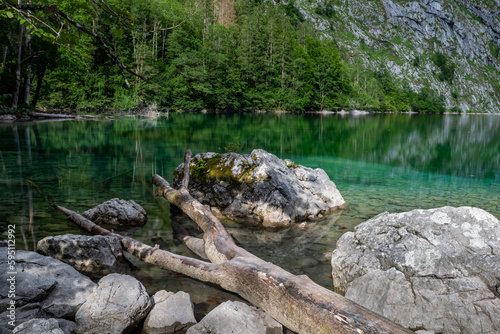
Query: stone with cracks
[[118, 304], [45, 286], [39, 326], [118, 212], [95, 256], [171, 313], [260, 189], [436, 270], [236, 317]]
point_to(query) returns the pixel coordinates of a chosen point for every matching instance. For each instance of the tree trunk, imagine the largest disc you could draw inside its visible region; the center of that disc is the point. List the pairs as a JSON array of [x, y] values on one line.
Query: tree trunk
[[295, 301], [4, 58], [28, 69], [40, 73], [17, 87]]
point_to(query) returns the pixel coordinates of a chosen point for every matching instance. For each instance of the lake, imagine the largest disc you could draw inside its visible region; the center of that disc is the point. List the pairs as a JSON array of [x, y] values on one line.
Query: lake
[[380, 162]]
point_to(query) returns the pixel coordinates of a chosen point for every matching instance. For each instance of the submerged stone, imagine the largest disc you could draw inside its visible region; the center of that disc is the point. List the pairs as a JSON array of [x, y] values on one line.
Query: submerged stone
[[260, 189], [118, 212]]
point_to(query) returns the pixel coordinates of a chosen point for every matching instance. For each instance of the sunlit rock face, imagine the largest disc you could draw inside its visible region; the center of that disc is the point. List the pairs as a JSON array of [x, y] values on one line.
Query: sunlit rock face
[[260, 189], [403, 36], [94, 256], [436, 269]]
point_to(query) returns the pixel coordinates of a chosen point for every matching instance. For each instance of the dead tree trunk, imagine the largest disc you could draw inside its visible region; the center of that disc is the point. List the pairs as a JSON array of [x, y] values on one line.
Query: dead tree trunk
[[295, 301]]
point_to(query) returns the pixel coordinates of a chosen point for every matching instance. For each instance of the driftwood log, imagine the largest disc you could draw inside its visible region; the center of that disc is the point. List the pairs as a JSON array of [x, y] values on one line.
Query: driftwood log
[[295, 301]]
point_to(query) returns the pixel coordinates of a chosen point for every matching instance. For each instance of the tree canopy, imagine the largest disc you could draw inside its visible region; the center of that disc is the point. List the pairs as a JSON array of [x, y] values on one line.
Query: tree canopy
[[224, 55]]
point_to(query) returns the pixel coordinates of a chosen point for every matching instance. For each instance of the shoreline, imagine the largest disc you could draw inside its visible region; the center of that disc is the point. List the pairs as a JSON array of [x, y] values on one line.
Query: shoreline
[[65, 114]]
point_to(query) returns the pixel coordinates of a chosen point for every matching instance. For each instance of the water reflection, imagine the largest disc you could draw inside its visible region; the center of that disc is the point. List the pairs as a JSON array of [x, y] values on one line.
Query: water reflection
[[379, 163]]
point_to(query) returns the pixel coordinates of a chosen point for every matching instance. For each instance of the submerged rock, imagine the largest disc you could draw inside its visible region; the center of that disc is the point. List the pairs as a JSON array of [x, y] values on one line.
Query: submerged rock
[[236, 317], [260, 189], [436, 270], [95, 256], [118, 303], [118, 212]]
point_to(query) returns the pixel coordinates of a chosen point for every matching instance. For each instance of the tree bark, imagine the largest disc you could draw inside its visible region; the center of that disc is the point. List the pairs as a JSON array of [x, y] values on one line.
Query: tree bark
[[28, 70], [294, 301], [5, 51], [40, 73], [17, 87]]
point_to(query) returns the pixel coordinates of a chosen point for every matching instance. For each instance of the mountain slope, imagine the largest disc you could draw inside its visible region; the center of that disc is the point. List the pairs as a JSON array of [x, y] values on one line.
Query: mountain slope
[[450, 46]]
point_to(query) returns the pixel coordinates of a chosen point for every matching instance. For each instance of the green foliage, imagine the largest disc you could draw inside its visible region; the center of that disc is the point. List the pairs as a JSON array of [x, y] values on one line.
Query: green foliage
[[325, 8], [416, 61], [270, 59], [446, 67], [495, 50]]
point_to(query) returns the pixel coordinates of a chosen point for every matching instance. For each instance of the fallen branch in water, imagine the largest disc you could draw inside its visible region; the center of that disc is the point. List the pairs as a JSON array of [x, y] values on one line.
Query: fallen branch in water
[[295, 301]]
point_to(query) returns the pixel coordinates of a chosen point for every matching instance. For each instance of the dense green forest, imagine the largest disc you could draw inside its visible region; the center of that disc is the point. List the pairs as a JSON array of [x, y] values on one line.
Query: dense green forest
[[227, 55]]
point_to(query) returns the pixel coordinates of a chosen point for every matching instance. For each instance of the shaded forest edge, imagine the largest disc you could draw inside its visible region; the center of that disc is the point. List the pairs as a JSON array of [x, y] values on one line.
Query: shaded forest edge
[[191, 55]]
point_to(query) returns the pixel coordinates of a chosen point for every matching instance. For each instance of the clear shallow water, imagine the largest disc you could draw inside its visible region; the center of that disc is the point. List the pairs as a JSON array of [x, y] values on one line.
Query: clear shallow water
[[379, 163]]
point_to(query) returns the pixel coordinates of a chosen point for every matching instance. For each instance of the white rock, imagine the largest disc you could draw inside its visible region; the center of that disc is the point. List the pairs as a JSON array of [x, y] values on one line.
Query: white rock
[[118, 303]]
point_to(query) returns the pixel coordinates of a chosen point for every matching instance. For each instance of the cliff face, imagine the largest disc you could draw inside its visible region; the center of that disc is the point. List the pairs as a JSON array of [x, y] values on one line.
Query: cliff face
[[408, 38]]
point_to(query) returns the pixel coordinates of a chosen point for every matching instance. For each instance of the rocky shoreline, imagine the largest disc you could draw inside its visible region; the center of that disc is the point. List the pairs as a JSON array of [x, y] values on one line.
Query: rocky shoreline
[[52, 297]]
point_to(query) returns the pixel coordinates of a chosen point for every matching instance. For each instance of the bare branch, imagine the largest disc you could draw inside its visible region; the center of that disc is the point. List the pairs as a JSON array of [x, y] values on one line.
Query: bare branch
[[187, 167], [196, 245], [57, 12], [177, 25], [201, 270], [105, 7]]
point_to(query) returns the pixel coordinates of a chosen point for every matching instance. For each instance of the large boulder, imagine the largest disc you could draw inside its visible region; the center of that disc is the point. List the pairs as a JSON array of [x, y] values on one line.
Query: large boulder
[[437, 270], [236, 317], [44, 286], [95, 256], [259, 188], [118, 303], [117, 212], [171, 312]]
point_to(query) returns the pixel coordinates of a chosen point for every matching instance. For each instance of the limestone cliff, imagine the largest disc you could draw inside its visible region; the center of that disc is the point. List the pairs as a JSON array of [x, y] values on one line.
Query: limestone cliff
[[405, 37]]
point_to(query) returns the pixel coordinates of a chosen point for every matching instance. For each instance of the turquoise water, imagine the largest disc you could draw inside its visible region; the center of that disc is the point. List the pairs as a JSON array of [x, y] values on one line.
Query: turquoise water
[[382, 162]]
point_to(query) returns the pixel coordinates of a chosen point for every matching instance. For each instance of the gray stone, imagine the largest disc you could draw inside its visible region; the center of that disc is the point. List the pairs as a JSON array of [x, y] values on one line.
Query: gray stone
[[436, 270], [260, 188], [39, 326], [67, 326], [57, 287], [118, 304], [171, 312], [95, 256], [29, 288], [119, 212], [236, 317], [20, 315]]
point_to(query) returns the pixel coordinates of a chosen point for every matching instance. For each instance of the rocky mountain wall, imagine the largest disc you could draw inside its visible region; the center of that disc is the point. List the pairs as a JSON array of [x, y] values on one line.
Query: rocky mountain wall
[[405, 36]]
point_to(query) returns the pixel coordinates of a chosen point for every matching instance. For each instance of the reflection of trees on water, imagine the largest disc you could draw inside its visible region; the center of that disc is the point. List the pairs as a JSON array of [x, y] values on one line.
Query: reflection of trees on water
[[81, 163], [24, 195]]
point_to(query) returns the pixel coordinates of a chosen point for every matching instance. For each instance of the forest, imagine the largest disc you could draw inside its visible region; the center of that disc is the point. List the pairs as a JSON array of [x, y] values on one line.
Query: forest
[[192, 55]]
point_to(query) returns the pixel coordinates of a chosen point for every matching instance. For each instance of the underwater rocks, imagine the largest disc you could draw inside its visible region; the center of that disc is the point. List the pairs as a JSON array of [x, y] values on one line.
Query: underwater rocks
[[260, 189], [437, 269], [117, 212]]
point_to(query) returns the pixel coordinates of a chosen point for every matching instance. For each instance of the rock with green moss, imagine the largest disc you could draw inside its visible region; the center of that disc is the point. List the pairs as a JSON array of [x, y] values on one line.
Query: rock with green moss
[[260, 189]]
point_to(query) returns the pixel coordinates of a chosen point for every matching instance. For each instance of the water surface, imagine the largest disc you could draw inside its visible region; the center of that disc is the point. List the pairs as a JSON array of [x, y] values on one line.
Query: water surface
[[383, 162]]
